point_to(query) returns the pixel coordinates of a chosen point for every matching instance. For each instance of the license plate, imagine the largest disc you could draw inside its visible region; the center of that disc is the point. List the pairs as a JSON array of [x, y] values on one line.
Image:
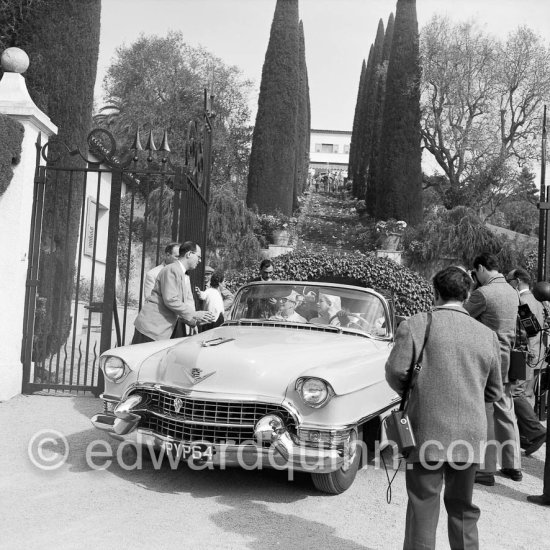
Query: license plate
[[201, 452]]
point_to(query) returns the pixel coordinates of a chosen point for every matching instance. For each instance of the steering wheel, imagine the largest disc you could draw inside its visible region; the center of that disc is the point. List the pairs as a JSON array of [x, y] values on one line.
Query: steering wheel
[[357, 323]]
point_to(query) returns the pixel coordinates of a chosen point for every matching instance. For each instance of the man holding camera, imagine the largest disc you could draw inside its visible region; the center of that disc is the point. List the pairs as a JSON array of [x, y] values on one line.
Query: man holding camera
[[495, 304], [532, 432]]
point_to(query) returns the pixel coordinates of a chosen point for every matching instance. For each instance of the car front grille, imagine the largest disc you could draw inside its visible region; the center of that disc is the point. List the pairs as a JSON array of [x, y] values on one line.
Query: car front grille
[[212, 421]]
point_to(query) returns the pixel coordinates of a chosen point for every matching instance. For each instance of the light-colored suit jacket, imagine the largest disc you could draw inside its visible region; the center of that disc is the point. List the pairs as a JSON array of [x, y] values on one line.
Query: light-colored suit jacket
[[151, 279], [495, 304], [460, 372], [171, 298]]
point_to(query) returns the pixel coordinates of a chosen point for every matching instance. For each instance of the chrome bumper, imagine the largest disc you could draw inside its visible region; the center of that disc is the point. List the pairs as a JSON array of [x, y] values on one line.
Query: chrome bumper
[[284, 452]]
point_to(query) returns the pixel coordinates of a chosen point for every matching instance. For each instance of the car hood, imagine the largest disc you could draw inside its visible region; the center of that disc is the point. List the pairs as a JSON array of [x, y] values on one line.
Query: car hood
[[263, 361]]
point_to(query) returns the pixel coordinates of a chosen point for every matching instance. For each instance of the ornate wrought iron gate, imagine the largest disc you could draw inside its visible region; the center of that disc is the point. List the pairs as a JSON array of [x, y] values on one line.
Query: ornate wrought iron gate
[[131, 206]]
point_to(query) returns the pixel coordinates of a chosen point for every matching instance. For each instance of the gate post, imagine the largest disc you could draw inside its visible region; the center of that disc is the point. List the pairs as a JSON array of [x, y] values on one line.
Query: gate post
[[16, 207]]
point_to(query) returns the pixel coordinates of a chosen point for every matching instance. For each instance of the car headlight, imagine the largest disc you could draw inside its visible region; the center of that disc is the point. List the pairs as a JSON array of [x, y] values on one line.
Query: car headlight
[[114, 368], [314, 392]]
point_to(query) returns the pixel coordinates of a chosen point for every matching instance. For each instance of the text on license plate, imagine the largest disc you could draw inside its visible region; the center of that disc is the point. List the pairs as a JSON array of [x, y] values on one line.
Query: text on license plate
[[195, 451]]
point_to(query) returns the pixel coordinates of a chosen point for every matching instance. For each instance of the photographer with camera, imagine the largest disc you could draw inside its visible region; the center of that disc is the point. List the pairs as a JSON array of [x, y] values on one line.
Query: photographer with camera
[[446, 410], [532, 432], [495, 304]]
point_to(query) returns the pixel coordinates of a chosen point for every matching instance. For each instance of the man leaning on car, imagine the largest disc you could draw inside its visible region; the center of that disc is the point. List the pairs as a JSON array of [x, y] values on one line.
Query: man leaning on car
[[171, 299]]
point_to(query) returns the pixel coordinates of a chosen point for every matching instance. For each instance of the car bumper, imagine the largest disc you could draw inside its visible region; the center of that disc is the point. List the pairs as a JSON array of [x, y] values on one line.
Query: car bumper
[[283, 452]]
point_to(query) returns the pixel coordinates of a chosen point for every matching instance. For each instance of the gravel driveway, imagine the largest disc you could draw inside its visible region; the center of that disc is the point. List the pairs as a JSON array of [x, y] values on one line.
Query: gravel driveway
[[77, 507]]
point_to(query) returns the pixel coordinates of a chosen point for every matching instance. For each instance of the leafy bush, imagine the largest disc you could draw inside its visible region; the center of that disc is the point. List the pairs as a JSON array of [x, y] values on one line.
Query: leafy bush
[[457, 235], [412, 293]]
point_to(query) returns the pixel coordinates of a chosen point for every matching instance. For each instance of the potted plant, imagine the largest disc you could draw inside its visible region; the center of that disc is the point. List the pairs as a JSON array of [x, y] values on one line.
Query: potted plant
[[275, 228], [391, 232]]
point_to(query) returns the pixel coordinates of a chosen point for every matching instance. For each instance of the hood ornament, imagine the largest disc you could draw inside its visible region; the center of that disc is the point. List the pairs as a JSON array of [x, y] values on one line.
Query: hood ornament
[[195, 375], [215, 341]]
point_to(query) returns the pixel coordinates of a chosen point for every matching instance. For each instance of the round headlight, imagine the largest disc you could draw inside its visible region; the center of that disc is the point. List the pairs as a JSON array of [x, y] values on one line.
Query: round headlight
[[114, 368], [314, 391]]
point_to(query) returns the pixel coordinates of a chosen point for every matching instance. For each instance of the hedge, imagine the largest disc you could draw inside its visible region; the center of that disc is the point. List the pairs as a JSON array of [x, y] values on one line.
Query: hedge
[[411, 292], [11, 137]]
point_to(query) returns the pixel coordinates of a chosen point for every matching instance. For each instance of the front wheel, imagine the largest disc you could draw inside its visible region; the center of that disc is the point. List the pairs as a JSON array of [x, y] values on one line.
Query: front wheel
[[341, 480]]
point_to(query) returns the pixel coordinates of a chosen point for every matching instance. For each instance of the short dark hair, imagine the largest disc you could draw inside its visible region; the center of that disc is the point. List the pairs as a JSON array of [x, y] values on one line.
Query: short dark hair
[[170, 247], [187, 246], [487, 260], [452, 283], [521, 275], [216, 279], [265, 263]]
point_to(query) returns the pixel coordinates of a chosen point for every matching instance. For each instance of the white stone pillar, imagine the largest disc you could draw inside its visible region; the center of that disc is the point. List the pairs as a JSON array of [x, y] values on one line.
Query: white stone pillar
[[15, 217]]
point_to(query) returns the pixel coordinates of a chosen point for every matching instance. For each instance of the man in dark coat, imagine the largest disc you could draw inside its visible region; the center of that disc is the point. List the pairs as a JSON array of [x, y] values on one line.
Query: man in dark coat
[[495, 304], [460, 372]]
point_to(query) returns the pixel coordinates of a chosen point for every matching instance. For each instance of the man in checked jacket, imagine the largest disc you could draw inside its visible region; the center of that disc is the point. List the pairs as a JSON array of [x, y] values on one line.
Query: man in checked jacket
[[460, 372]]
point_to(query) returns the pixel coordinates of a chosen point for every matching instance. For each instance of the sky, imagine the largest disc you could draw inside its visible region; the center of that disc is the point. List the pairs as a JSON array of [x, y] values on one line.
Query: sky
[[338, 35]]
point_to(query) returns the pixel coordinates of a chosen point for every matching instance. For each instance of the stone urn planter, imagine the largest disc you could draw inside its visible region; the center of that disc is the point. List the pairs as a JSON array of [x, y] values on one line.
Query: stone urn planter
[[391, 241], [280, 237]]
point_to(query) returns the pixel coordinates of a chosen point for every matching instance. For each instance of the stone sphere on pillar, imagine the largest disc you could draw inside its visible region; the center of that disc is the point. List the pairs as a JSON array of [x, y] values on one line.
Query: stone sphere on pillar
[[14, 60]]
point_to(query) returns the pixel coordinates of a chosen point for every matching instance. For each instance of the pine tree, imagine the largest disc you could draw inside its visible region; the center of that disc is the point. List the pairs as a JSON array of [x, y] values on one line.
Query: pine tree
[[373, 166], [61, 38], [400, 180], [273, 155], [367, 119]]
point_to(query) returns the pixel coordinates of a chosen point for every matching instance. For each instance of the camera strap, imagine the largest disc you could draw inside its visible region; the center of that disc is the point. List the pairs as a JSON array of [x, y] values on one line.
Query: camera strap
[[416, 366]]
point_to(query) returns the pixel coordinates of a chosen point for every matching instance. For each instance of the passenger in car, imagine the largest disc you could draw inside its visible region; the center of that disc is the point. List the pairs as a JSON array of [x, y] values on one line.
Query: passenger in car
[[327, 308], [286, 306]]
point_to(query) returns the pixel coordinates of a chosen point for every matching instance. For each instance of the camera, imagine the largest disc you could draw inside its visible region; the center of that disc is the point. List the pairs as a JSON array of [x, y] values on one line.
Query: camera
[[473, 275], [528, 321]]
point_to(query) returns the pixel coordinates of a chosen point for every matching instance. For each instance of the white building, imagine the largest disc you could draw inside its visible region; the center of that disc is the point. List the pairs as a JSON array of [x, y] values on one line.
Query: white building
[[329, 151]]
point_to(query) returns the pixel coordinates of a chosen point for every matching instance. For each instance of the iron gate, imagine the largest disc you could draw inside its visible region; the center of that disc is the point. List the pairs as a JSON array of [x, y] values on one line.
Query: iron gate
[[131, 206]]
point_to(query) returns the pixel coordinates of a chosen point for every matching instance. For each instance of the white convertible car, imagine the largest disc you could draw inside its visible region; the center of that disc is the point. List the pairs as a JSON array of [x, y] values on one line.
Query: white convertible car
[[294, 378]]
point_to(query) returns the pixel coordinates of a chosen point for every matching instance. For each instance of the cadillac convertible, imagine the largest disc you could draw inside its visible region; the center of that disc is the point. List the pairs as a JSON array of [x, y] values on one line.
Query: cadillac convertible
[[293, 379]]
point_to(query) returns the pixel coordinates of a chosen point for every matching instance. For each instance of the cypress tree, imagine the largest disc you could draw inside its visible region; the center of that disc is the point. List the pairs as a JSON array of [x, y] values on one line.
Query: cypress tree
[[302, 126], [367, 120], [352, 162], [61, 38], [273, 155], [360, 137], [400, 153], [373, 168]]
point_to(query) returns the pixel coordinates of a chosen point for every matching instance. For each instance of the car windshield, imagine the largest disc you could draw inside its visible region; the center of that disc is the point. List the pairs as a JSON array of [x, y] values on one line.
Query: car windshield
[[312, 304]]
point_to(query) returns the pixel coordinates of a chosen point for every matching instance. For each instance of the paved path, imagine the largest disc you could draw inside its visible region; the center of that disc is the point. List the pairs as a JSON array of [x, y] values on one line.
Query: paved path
[[76, 507]]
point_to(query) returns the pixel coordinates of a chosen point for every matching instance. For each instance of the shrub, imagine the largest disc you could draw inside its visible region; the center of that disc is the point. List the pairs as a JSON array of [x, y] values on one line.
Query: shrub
[[457, 235], [411, 292]]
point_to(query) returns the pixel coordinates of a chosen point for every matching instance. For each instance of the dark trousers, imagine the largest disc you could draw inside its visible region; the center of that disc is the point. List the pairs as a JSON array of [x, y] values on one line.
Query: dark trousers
[[528, 424], [424, 489], [140, 338]]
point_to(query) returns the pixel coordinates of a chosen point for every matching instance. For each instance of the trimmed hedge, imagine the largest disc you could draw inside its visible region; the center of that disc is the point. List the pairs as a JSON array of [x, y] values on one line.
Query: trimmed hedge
[[411, 292], [11, 138]]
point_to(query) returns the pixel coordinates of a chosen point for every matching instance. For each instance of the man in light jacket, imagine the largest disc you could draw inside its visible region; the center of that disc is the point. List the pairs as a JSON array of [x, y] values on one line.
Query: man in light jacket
[[460, 372], [171, 299]]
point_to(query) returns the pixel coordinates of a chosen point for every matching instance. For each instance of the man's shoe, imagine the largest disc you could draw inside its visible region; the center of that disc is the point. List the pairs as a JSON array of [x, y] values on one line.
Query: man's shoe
[[485, 479], [542, 500], [512, 473], [536, 445]]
